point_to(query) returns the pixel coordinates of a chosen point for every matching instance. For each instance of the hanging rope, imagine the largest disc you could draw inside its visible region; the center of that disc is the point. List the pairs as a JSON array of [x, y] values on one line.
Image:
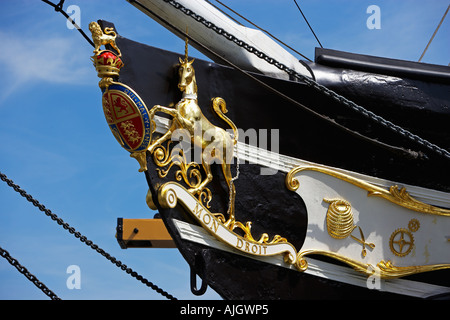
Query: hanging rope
[[410, 154], [59, 8], [435, 31], [263, 30], [310, 28], [82, 238], [5, 254], [309, 82]]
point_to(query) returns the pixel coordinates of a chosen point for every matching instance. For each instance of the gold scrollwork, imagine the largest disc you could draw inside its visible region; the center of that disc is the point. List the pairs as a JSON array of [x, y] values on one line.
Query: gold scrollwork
[[249, 237], [187, 115], [340, 218], [302, 263], [395, 195], [141, 157], [217, 145], [386, 270], [188, 172], [171, 194], [149, 201], [389, 271], [165, 158]]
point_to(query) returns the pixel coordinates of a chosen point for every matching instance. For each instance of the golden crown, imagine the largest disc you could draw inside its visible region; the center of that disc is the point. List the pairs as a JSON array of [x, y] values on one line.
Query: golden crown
[[107, 64]]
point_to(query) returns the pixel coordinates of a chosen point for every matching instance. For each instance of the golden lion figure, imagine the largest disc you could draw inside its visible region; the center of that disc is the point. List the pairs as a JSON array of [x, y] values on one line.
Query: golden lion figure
[[216, 144], [103, 38]]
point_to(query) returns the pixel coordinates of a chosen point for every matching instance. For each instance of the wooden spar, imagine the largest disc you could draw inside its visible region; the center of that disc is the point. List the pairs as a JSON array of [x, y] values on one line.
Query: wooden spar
[[143, 233], [208, 37]]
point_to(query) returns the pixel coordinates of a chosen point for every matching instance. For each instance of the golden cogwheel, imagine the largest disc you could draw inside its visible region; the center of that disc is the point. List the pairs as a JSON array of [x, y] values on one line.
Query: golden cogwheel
[[401, 242], [414, 225]]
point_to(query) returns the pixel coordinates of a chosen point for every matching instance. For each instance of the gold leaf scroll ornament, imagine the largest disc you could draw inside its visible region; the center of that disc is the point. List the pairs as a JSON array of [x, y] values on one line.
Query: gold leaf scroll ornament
[[396, 195]]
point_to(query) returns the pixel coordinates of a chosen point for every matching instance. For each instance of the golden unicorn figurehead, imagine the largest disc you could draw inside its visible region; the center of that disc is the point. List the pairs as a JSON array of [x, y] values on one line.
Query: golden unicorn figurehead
[[187, 82]]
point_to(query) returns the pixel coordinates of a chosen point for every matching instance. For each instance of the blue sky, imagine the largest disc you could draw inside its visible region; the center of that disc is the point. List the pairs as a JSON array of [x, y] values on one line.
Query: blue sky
[[56, 145]]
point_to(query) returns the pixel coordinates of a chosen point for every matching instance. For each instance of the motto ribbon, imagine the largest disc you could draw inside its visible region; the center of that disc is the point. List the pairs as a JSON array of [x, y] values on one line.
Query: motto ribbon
[[171, 193]]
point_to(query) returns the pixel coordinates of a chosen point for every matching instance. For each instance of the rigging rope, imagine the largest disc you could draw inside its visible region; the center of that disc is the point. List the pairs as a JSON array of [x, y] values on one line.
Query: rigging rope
[[435, 31], [401, 151], [5, 254], [342, 100], [82, 238], [310, 82], [58, 8], [310, 28], [265, 31]]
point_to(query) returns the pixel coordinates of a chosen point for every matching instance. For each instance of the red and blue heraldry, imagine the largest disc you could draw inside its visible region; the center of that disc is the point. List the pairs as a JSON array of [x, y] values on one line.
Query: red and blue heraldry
[[127, 117], [125, 112]]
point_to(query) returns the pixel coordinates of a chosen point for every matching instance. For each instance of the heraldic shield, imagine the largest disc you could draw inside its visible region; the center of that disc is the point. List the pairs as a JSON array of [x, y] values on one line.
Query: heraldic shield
[[125, 112], [127, 117]]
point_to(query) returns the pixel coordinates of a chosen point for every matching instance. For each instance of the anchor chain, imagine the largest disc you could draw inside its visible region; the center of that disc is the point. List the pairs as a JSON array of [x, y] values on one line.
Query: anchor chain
[[82, 238], [5, 254]]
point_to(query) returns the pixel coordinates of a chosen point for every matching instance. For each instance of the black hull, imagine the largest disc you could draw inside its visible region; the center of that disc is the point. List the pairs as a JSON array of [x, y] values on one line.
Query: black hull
[[418, 106], [264, 200], [235, 277]]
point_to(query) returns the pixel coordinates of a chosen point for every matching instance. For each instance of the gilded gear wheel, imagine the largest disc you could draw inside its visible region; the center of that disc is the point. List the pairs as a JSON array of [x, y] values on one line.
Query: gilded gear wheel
[[414, 225], [401, 242]]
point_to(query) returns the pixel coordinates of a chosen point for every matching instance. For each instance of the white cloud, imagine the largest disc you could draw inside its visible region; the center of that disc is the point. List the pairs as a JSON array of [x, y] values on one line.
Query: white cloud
[[28, 60]]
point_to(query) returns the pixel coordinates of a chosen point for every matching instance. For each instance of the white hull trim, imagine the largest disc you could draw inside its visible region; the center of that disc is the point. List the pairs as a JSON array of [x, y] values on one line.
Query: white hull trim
[[278, 162], [275, 161], [318, 268]]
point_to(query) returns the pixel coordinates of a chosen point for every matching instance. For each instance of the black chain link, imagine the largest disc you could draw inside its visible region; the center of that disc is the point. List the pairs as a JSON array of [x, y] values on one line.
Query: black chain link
[[82, 238], [310, 82], [5, 254]]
